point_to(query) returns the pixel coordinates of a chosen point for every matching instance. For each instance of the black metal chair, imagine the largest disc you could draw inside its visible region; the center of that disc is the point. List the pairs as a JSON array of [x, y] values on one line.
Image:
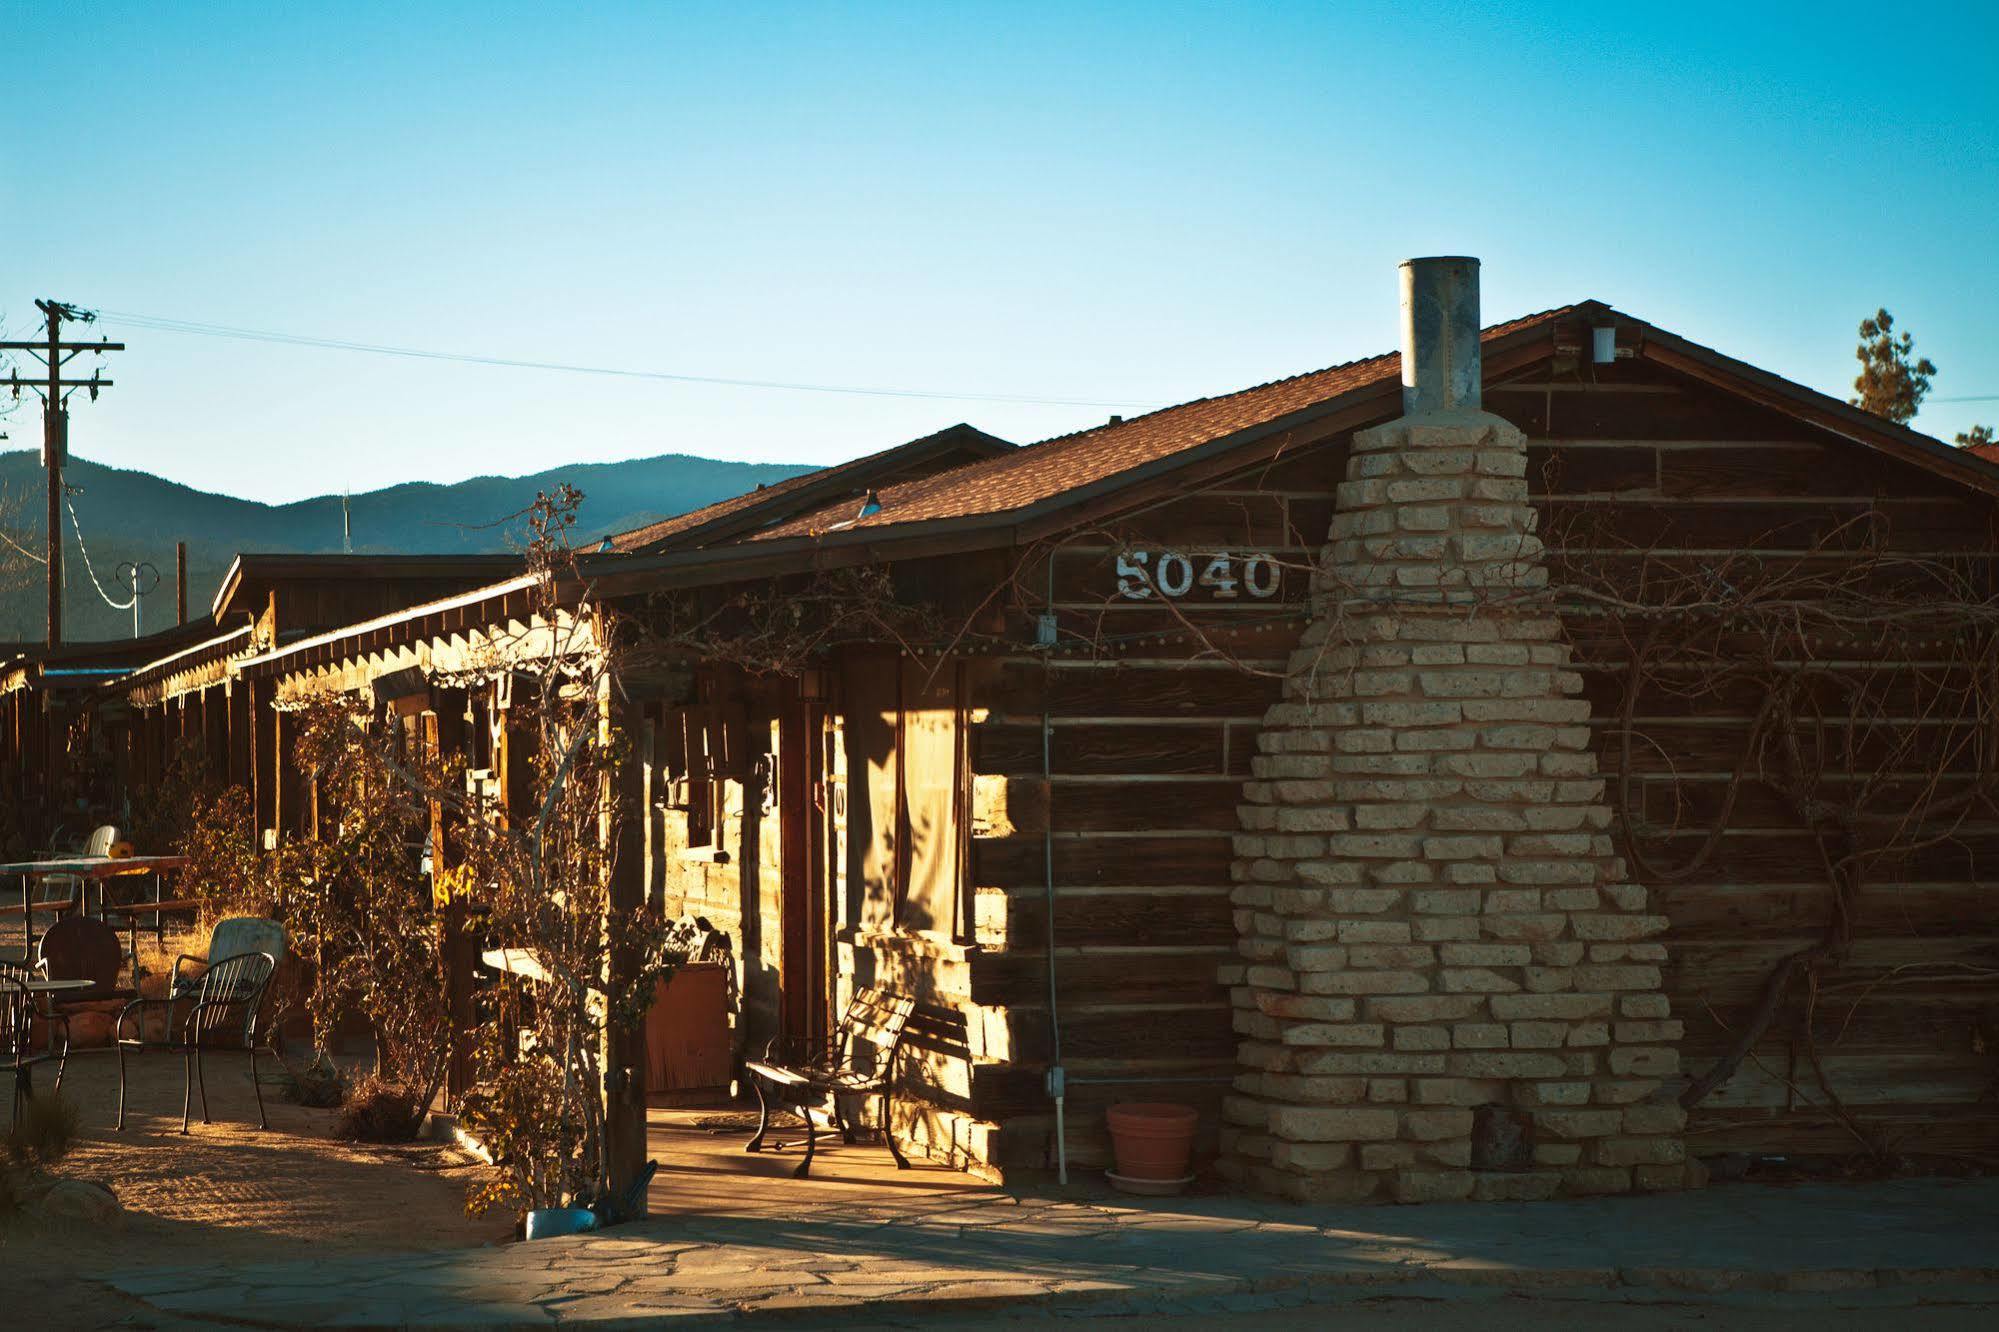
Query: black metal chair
[[19, 1012], [80, 947], [223, 1004]]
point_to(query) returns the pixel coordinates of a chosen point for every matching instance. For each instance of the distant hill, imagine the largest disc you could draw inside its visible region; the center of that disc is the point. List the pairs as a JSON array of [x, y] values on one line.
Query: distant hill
[[131, 515]]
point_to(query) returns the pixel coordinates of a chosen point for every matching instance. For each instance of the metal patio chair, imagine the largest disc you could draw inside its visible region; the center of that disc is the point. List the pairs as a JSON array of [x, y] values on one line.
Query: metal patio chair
[[81, 947], [222, 1007], [18, 1014], [65, 887]]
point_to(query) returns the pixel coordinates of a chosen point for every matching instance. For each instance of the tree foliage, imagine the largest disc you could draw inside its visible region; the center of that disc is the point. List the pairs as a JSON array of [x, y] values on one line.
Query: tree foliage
[[361, 900], [1979, 436], [538, 880], [1893, 380]]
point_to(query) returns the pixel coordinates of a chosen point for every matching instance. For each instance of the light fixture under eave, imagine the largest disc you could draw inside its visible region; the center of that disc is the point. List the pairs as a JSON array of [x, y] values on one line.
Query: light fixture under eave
[[870, 506]]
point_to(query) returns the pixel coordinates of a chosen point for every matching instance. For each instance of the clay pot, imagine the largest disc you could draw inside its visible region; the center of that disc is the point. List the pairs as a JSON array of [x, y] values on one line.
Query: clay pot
[[1153, 1140], [89, 1029]]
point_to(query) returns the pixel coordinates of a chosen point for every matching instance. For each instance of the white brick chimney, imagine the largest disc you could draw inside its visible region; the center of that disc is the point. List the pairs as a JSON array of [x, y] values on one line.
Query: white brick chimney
[[1448, 989]]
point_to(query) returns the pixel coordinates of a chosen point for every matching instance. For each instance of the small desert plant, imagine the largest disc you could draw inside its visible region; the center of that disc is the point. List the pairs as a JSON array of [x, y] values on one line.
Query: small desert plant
[[44, 1132], [377, 1110]]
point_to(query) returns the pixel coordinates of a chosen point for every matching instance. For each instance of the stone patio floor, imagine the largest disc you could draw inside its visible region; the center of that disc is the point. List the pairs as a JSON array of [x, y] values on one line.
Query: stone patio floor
[[733, 1236]]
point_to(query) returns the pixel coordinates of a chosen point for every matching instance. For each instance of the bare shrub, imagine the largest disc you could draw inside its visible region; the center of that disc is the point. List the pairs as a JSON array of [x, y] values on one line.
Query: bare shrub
[[377, 1110], [47, 1129]]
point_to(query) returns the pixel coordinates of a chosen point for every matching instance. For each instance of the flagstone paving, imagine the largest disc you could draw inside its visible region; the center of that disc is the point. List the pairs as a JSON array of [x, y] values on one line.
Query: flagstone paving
[[734, 1236], [1891, 1242]]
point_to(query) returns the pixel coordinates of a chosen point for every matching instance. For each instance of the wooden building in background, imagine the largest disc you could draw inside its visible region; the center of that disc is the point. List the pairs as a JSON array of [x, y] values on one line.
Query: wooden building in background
[[102, 722]]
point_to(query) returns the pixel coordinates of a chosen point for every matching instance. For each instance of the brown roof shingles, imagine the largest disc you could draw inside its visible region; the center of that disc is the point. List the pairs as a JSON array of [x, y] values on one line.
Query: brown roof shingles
[[841, 479], [640, 537], [1040, 471]]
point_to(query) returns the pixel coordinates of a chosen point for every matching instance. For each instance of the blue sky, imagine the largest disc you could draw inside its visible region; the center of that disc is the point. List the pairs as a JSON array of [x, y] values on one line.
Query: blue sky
[[1139, 203]]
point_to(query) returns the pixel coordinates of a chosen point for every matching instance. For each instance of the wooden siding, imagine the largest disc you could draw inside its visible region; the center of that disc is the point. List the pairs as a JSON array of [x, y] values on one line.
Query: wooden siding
[[1149, 740]]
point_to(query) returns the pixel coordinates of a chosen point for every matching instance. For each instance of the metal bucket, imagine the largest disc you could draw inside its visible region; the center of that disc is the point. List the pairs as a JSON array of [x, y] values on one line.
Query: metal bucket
[[549, 1222]]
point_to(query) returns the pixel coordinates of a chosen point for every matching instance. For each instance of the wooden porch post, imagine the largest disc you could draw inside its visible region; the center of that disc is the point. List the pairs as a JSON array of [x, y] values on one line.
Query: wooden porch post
[[624, 1052], [446, 735], [265, 761], [238, 716]]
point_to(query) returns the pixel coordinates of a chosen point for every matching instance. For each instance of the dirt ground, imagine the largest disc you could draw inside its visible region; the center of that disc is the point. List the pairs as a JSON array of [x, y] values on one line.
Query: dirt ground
[[227, 1192]]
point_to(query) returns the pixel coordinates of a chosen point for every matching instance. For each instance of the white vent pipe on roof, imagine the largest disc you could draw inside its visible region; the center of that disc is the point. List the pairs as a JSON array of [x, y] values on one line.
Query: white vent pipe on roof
[[1603, 344], [1441, 363]]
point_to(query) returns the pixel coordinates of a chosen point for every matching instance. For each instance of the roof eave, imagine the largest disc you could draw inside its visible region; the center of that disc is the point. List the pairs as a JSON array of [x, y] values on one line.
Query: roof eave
[[1820, 409]]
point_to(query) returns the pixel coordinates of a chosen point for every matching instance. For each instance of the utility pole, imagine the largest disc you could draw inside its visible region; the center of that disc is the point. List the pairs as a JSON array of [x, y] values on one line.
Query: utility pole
[[56, 354]]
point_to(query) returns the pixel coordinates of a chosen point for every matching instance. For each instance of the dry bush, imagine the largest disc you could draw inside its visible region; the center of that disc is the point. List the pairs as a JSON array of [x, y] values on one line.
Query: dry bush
[[377, 1110], [45, 1132], [359, 903]]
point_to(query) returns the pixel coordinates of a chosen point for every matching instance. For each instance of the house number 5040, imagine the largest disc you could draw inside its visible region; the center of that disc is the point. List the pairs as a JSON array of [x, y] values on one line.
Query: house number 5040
[[1141, 574]]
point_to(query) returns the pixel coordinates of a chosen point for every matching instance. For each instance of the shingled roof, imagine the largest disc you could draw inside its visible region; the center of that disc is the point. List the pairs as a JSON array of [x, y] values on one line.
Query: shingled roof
[[1042, 487], [811, 491], [1053, 466]]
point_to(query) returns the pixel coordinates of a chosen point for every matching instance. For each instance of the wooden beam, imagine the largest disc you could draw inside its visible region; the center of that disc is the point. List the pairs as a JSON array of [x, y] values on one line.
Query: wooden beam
[[624, 1054]]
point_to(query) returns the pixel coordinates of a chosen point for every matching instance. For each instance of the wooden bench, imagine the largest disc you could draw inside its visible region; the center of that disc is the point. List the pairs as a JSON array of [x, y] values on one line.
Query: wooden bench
[[875, 1019]]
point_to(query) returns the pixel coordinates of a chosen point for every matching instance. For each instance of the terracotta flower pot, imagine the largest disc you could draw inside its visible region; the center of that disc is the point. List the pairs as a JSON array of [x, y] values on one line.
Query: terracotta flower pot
[[1153, 1140]]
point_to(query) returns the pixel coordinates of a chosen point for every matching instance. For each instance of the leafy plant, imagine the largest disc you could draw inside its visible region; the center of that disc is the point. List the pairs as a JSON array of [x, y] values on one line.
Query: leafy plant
[[224, 870], [520, 1114], [538, 876], [162, 811]]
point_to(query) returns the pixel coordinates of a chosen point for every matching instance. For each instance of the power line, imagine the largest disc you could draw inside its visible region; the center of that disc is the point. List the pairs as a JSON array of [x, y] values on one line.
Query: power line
[[207, 330], [91, 569], [1979, 397]]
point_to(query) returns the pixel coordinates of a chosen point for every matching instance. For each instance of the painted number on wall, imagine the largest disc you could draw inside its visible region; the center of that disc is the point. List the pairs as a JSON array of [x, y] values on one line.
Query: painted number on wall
[[1170, 573]]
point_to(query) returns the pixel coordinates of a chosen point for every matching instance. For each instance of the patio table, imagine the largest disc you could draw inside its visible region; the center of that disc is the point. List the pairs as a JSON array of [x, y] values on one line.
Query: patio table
[[87, 870], [57, 985]]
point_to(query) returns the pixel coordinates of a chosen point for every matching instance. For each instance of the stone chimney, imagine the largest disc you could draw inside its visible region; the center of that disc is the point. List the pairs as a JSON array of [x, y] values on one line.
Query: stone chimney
[[1448, 989]]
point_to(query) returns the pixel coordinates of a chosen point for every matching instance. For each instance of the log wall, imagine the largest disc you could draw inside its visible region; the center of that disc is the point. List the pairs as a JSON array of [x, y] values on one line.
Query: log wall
[[1150, 734]]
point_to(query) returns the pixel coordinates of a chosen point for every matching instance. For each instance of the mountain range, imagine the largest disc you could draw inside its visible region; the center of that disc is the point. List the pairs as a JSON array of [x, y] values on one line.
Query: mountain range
[[127, 515]]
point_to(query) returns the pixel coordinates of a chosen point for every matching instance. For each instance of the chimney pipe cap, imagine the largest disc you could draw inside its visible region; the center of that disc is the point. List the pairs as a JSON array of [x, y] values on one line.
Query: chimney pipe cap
[[1442, 364]]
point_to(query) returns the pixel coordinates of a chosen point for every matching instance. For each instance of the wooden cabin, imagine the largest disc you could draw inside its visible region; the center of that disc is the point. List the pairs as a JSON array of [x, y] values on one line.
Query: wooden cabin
[[1034, 833], [1007, 776]]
